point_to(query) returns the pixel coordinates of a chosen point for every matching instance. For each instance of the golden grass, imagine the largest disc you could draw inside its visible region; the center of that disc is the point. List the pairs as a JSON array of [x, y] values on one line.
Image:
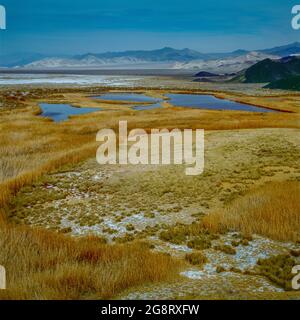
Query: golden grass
[[45, 265], [272, 210], [31, 146]]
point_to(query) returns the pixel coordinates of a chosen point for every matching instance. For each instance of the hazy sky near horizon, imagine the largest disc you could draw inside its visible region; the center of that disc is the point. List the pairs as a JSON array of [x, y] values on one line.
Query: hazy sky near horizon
[[70, 27]]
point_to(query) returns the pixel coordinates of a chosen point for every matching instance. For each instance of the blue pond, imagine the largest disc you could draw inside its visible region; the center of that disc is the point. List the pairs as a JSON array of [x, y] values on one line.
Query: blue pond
[[61, 112], [199, 101]]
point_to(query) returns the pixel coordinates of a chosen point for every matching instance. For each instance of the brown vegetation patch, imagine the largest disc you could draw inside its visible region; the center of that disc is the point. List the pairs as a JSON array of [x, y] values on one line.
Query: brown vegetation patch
[[44, 265], [272, 210]]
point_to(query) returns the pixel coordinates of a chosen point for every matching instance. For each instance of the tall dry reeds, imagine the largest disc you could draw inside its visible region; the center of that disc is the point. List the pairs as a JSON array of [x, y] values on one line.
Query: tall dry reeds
[[272, 210], [44, 265]]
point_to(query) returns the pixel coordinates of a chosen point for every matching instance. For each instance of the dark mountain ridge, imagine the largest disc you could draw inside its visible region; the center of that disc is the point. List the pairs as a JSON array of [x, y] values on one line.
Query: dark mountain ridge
[[272, 70]]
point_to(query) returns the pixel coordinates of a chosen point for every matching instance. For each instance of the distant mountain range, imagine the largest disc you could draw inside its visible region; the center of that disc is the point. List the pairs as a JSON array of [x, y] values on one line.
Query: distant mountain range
[[20, 59], [225, 65], [283, 51], [161, 58]]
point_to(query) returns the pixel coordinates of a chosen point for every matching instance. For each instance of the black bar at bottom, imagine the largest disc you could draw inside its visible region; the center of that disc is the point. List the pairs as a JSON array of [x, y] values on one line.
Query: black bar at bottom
[[97, 310]]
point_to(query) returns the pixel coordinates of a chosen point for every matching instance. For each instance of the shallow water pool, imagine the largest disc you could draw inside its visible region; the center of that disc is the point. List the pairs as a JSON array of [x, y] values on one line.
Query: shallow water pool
[[61, 112], [200, 101]]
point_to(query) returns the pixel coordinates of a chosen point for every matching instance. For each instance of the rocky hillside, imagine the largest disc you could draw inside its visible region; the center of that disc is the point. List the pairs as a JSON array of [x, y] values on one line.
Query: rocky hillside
[[270, 70]]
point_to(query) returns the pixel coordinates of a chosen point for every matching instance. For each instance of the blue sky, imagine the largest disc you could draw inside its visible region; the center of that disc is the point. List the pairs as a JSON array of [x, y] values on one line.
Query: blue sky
[[65, 26]]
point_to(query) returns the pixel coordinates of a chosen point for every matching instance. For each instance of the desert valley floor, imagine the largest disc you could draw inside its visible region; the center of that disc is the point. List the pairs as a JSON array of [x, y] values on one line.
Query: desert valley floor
[[83, 230]]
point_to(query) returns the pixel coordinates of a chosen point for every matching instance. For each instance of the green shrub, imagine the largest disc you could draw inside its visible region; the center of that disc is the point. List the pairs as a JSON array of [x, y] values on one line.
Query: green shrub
[[149, 214], [196, 258], [200, 243], [236, 243], [175, 235], [278, 269], [126, 238], [225, 248], [66, 230], [220, 269], [245, 242], [295, 253], [130, 227]]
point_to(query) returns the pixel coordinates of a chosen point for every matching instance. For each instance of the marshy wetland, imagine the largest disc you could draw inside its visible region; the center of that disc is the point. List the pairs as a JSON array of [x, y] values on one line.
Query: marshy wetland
[[83, 230]]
